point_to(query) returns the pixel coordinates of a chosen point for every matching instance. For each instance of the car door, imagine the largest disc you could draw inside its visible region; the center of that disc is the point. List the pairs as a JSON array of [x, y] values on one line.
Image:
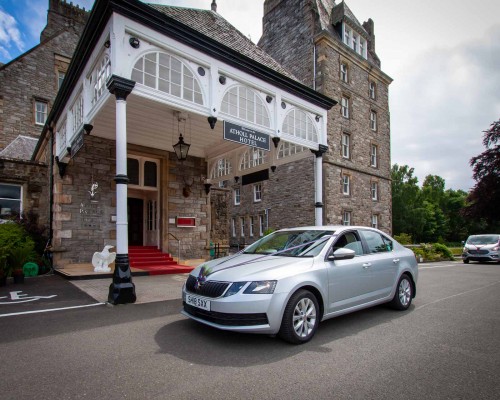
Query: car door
[[348, 280], [383, 264]]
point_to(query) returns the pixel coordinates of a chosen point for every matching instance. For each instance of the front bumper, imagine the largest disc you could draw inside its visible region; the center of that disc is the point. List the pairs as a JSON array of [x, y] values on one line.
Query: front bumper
[[252, 313], [490, 256]]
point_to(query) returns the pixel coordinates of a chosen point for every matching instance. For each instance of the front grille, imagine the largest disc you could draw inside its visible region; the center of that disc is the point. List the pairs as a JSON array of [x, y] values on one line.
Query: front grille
[[208, 289], [478, 251], [227, 319]]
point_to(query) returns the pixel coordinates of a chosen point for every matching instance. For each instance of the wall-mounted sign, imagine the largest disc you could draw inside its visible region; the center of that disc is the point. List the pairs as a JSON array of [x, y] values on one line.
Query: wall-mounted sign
[[185, 222], [246, 136], [77, 143]]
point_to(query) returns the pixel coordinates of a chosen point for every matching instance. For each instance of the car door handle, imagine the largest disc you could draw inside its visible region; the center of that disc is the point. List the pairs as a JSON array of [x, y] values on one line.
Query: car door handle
[[395, 261], [367, 265]]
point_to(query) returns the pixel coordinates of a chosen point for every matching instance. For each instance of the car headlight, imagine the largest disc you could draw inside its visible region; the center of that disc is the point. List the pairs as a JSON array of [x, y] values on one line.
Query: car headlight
[[465, 250], [496, 248], [261, 287], [234, 288]]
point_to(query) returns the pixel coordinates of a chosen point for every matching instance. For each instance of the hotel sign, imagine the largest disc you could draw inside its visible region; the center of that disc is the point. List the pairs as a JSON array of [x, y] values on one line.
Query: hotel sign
[[246, 136]]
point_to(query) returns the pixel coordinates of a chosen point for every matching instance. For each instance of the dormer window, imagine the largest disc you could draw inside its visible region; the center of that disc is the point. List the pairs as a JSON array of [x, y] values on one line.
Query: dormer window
[[355, 41]]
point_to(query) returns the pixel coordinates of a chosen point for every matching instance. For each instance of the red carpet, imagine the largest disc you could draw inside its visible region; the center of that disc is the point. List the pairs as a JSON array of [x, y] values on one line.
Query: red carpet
[[152, 260]]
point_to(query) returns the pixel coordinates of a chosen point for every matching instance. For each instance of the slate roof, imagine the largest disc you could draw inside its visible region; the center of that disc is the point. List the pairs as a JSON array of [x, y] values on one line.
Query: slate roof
[[21, 148], [324, 8], [211, 24]]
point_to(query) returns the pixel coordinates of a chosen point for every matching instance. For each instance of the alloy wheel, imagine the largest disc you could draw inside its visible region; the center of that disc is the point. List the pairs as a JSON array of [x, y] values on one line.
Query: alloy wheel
[[304, 317], [404, 292]]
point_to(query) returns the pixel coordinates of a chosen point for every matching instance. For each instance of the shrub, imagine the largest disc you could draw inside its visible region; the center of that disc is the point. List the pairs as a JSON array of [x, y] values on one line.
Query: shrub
[[268, 231], [433, 252], [403, 238], [443, 250]]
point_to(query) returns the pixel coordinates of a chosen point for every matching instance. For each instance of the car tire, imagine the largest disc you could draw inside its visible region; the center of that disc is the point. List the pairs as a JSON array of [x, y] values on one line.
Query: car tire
[[404, 294], [301, 318], [466, 261]]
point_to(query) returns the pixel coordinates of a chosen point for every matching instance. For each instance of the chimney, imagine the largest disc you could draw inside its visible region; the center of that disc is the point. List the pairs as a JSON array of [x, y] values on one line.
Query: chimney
[[214, 6], [370, 29]]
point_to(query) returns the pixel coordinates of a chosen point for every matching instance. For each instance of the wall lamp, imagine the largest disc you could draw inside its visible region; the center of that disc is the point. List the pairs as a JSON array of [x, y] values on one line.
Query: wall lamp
[[134, 42], [181, 149]]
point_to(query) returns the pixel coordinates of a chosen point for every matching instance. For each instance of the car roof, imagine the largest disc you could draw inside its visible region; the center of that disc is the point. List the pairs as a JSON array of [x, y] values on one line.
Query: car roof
[[329, 228]]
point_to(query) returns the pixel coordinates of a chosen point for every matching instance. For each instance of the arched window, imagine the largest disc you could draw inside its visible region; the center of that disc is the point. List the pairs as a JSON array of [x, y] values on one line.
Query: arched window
[[167, 74], [245, 104], [221, 168], [252, 158], [297, 123], [287, 149]]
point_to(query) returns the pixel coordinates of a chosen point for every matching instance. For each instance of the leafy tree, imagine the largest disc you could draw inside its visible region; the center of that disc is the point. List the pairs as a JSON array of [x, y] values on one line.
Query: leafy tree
[[484, 198]]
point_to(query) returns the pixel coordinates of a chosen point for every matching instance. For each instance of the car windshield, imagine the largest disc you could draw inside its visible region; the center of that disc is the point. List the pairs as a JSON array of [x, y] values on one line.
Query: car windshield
[[483, 239], [291, 243]]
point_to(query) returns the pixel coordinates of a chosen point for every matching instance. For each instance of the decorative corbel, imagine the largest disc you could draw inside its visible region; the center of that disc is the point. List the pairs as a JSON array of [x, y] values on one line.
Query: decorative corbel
[[62, 167]]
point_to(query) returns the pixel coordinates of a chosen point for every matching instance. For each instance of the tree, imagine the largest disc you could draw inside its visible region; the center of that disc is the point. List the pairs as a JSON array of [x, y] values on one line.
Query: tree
[[484, 198]]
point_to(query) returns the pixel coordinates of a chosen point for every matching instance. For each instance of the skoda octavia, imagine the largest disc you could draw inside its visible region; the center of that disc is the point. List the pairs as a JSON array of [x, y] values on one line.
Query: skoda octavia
[[290, 280]]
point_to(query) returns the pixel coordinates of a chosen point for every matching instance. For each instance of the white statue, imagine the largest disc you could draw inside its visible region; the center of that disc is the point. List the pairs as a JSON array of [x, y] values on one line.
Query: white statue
[[101, 260]]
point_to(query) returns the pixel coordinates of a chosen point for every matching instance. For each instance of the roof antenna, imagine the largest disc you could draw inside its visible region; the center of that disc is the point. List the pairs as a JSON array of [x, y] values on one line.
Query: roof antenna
[[214, 6]]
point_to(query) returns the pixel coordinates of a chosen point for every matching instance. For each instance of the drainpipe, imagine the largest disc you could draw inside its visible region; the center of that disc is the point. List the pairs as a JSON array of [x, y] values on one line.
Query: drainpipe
[[51, 185], [314, 65]]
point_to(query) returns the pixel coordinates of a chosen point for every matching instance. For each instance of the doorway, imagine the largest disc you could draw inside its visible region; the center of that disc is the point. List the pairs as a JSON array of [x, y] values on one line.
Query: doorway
[[135, 221]]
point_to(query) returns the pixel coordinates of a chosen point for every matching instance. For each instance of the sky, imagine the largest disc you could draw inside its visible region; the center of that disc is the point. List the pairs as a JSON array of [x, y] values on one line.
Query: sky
[[444, 57]]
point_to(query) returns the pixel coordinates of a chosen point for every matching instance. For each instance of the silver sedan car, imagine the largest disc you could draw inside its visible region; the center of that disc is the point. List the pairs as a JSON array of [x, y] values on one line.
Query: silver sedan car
[[290, 280]]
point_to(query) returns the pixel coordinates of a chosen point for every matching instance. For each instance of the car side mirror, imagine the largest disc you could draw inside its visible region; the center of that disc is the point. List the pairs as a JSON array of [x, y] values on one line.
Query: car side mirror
[[463, 242], [342, 254]]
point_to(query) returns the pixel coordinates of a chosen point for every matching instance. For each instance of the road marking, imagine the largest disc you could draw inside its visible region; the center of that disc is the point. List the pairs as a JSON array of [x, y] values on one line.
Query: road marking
[[50, 310], [438, 266], [458, 294], [17, 297]]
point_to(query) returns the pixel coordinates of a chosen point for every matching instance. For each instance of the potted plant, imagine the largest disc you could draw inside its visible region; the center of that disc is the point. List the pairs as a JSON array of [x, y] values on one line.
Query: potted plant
[[18, 256]]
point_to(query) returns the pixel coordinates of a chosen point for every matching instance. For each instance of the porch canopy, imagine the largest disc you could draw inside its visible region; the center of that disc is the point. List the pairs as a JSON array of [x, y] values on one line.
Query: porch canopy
[[142, 73]]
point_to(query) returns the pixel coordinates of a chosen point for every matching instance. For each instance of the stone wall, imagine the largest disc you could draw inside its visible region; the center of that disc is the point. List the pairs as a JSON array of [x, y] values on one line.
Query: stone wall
[[32, 176], [286, 201], [34, 76], [82, 224], [289, 28], [194, 241]]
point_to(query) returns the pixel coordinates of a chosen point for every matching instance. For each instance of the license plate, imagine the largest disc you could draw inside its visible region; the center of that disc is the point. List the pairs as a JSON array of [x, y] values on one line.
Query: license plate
[[198, 302]]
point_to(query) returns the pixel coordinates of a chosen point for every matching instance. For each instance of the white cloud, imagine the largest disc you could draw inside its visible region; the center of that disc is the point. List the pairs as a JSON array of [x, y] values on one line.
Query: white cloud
[[9, 33], [442, 105]]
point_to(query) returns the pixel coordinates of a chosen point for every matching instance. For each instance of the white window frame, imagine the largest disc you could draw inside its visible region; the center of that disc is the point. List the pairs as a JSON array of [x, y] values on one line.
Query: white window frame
[[246, 104], [253, 157], [346, 145], [346, 218], [233, 227], [20, 200], [346, 185], [168, 74], [288, 149], [374, 191], [373, 120], [257, 192], [374, 156], [375, 221], [222, 167], [237, 196], [60, 78], [251, 226], [344, 72], [242, 226], [299, 124], [372, 90], [41, 111], [344, 107], [261, 225]]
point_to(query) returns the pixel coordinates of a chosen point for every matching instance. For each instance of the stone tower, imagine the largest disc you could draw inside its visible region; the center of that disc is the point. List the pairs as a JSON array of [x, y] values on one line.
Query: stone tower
[[28, 87], [323, 44]]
